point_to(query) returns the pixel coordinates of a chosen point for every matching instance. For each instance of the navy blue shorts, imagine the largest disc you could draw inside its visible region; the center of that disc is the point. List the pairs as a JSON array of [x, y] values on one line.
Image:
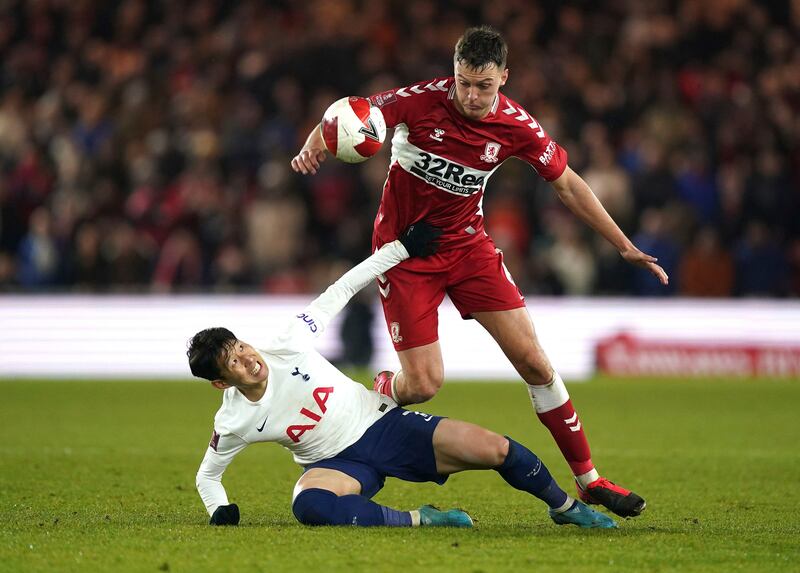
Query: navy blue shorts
[[398, 445]]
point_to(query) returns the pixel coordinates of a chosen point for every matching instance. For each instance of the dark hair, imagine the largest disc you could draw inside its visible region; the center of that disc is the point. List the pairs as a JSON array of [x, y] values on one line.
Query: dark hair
[[481, 47], [205, 350]]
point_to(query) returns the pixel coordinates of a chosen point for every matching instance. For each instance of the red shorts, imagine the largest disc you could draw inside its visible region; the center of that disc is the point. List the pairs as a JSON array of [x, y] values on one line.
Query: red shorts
[[475, 279]]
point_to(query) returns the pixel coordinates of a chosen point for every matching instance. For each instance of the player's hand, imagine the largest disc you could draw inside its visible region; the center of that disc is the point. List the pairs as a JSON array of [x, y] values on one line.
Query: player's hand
[[636, 257], [309, 159], [225, 515], [419, 239]]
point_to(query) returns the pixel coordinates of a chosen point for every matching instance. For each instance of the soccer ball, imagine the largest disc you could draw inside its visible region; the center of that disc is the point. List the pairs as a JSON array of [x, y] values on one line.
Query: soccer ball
[[353, 129]]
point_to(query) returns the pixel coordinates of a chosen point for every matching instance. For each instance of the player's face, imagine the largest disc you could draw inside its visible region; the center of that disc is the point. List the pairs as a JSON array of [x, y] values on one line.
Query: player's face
[[243, 366], [476, 89]]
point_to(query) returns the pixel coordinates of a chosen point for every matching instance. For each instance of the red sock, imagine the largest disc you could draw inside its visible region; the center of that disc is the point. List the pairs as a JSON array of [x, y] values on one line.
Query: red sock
[[567, 431]]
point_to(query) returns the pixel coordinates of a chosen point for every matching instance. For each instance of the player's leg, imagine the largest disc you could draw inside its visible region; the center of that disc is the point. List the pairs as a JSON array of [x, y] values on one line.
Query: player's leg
[[514, 332], [483, 289], [461, 446], [420, 376], [410, 302], [324, 496]]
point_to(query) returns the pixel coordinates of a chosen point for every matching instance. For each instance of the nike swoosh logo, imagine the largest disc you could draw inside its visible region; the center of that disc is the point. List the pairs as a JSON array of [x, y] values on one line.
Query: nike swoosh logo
[[262, 425]]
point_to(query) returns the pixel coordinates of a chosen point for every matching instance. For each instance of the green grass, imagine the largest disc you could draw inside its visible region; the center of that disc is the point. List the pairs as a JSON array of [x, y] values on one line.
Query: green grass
[[99, 476]]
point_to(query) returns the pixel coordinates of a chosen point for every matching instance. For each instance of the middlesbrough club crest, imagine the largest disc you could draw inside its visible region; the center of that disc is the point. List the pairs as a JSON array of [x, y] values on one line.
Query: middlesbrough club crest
[[394, 328], [491, 152]]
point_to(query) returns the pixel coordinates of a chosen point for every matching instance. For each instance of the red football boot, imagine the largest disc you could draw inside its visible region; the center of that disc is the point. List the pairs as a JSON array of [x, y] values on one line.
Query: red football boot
[[621, 501], [383, 383]]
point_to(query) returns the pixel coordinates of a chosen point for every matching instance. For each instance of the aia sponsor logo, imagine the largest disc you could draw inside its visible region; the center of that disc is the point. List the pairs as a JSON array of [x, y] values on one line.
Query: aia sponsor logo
[[491, 152], [321, 396]]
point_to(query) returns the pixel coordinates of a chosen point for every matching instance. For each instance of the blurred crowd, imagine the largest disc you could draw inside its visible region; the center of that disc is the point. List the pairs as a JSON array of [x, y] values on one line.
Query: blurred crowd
[[145, 145]]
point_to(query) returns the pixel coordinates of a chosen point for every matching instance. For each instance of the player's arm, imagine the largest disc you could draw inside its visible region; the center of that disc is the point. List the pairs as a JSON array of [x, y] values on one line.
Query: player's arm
[[219, 455], [579, 198], [418, 240], [311, 154]]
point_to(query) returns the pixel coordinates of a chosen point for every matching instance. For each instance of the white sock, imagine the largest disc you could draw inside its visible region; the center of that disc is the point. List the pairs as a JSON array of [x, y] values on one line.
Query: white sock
[[566, 506], [414, 517], [587, 478], [391, 386], [550, 396]]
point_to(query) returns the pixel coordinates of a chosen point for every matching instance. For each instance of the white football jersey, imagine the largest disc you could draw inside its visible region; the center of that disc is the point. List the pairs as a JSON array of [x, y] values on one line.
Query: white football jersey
[[309, 406]]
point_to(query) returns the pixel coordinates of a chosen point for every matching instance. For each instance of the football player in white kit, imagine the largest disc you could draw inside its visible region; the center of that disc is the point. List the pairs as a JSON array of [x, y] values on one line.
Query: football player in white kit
[[349, 439]]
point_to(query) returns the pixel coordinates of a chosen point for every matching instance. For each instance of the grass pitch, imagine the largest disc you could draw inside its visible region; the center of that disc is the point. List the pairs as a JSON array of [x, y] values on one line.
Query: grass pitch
[[99, 476]]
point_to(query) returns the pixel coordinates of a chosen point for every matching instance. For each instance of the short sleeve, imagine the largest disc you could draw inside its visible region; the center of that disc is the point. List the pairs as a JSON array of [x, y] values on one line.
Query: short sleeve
[[535, 146]]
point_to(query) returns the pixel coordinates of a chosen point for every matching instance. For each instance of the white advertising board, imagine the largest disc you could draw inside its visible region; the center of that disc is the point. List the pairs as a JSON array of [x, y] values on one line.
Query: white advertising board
[[145, 336]]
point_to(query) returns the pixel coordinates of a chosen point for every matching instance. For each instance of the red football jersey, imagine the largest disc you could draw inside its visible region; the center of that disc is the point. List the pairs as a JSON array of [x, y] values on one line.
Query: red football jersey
[[442, 160]]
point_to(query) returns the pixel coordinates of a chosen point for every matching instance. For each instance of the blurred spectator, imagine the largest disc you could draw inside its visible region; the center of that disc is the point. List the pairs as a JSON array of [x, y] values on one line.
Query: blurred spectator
[[653, 183], [86, 267], [8, 281], [180, 265], [794, 268], [92, 130], [761, 267], [614, 275], [130, 257], [769, 192], [706, 268], [696, 185], [570, 258], [231, 269], [37, 257], [275, 224], [654, 238], [611, 184], [731, 182]]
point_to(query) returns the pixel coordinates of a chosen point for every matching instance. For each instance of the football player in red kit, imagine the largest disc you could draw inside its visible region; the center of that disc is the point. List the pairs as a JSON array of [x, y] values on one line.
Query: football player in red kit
[[450, 135]]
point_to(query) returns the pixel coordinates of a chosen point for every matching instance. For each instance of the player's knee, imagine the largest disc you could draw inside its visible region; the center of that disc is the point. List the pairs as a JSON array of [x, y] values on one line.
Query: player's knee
[[422, 391], [496, 450], [422, 385], [315, 507]]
